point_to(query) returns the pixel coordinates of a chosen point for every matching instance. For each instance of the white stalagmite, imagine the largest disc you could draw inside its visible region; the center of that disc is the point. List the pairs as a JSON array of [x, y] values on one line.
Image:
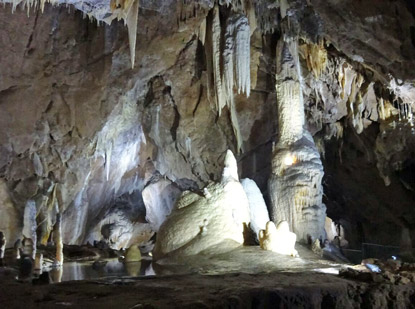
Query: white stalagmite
[[257, 207], [212, 223], [295, 184], [57, 239], [2, 245], [29, 225], [159, 199], [278, 239]]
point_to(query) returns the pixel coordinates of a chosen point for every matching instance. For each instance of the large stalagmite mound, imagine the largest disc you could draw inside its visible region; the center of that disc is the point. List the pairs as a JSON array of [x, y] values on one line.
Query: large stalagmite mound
[[211, 223]]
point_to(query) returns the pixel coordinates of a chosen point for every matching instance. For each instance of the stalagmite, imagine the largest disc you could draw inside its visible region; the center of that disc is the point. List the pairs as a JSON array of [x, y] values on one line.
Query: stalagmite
[[212, 223], [29, 229], [29, 248], [257, 206], [37, 267], [18, 248], [2, 245], [133, 254], [57, 239], [159, 199], [278, 239], [295, 184], [330, 229]]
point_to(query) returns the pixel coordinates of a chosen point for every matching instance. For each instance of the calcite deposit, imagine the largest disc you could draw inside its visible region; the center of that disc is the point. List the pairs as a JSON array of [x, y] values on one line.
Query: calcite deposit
[[210, 223], [278, 239]]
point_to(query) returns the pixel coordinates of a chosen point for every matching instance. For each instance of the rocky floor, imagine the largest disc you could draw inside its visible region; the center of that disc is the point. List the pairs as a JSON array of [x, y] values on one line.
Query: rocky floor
[[244, 278], [264, 290]]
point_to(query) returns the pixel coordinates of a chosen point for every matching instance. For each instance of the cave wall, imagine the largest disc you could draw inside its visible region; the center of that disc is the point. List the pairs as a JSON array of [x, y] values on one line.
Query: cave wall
[[83, 134]]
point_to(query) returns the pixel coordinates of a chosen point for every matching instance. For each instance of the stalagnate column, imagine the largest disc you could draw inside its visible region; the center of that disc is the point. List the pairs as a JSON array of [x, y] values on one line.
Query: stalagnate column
[[295, 184]]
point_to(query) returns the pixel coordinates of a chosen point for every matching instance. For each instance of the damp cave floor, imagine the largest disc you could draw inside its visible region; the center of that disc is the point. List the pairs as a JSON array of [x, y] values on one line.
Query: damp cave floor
[[245, 278]]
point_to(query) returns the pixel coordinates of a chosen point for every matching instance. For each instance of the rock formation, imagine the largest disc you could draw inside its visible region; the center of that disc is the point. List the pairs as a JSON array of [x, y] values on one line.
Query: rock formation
[[209, 223], [85, 135], [257, 207], [159, 199], [133, 254], [278, 239], [57, 239], [3, 242], [295, 184]]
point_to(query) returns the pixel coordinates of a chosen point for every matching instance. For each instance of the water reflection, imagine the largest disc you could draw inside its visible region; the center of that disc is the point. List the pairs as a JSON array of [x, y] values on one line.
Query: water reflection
[[88, 270]]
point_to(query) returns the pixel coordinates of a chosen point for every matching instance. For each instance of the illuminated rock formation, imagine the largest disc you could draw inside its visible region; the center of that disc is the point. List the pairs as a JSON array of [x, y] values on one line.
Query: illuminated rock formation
[[57, 239], [278, 239], [159, 199], [28, 248], [229, 63], [257, 207], [29, 230], [3, 242], [295, 184], [133, 254], [38, 264], [211, 223], [10, 224], [18, 248]]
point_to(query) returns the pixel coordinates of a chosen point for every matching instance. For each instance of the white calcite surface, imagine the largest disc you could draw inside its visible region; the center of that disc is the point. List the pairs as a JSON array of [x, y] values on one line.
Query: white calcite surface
[[235, 60], [210, 223], [3, 242], [278, 239], [257, 207], [10, 223], [330, 229], [159, 199]]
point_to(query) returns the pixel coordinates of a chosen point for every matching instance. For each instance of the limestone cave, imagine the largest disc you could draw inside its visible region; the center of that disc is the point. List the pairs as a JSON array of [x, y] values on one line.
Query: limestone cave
[[207, 154]]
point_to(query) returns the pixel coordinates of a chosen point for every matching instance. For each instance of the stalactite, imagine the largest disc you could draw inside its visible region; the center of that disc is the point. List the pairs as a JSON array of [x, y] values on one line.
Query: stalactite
[[236, 59], [315, 56], [128, 11], [121, 9], [131, 21], [216, 53], [228, 65]]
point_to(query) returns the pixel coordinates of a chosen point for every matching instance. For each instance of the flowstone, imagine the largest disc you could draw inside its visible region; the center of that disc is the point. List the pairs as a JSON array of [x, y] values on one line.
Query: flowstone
[[206, 224]]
